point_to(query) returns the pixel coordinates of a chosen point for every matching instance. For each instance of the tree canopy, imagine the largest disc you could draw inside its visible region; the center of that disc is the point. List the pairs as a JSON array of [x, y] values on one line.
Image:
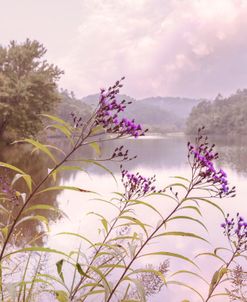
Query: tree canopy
[[28, 87], [70, 104], [222, 116]]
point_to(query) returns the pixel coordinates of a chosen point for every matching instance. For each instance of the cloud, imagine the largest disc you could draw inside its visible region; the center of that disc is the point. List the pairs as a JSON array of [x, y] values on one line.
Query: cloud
[[191, 48]]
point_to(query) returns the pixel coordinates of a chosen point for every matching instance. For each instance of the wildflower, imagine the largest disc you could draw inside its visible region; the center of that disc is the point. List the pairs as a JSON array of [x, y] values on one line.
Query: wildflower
[[236, 231], [136, 185], [108, 112], [202, 160]]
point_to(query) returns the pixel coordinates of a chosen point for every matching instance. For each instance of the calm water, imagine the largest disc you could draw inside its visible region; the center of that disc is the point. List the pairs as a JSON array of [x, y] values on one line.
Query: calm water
[[163, 156]]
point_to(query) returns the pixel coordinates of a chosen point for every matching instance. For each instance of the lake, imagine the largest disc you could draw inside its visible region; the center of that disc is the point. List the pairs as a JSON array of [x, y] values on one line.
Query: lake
[[163, 156]]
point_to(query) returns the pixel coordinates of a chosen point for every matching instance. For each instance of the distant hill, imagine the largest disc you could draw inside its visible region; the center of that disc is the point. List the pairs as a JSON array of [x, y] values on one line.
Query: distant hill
[[181, 107], [159, 114]]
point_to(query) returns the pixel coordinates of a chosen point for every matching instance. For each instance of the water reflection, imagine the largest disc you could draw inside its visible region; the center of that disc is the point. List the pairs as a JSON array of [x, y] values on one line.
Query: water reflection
[[152, 153], [233, 153], [35, 165], [164, 156], [159, 153]]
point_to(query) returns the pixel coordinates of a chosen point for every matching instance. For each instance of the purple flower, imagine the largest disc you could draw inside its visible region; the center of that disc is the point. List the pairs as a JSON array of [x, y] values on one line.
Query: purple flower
[[136, 185], [107, 114], [235, 230], [203, 157]]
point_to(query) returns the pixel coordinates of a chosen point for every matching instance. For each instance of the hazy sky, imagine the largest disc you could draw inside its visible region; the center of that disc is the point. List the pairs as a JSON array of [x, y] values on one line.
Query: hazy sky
[[193, 48]]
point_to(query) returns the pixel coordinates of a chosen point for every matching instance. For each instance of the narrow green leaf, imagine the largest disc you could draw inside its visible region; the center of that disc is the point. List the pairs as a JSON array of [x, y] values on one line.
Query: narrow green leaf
[[191, 208], [96, 147], [59, 266], [56, 119], [40, 146], [25, 176], [169, 254], [139, 202], [183, 234], [209, 202], [180, 177], [62, 128], [61, 296], [102, 276], [177, 184], [70, 168], [216, 278], [187, 286], [44, 207], [93, 292], [188, 218], [63, 188], [47, 276], [56, 148], [105, 224], [81, 272], [5, 231], [191, 273], [98, 129], [136, 222], [39, 218], [99, 165], [212, 255], [36, 249], [5, 165]]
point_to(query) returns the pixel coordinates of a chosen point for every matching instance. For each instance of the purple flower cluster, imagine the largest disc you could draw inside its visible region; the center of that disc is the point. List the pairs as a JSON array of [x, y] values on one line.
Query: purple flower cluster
[[108, 114], [136, 185], [236, 230], [203, 157]]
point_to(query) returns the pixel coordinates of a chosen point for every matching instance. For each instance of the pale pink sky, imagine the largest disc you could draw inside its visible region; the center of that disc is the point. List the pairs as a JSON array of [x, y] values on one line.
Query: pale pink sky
[[193, 48]]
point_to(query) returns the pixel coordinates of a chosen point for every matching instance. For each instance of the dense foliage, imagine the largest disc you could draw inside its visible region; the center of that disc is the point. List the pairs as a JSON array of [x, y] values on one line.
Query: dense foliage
[[222, 116], [27, 88], [69, 103], [112, 268]]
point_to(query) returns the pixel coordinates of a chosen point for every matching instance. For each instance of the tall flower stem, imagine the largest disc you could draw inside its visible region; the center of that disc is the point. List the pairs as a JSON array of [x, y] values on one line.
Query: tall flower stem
[[147, 241], [30, 198], [97, 252], [220, 278]]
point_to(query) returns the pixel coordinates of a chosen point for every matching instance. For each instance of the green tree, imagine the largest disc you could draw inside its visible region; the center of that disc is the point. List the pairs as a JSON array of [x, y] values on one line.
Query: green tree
[[27, 87], [221, 116], [70, 104]]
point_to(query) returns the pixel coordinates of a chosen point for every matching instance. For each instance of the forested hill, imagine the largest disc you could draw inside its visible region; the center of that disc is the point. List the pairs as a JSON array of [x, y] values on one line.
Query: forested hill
[[222, 116], [159, 114]]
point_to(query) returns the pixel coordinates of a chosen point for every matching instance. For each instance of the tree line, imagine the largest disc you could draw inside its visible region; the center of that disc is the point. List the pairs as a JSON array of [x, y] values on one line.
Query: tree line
[[28, 88], [226, 116]]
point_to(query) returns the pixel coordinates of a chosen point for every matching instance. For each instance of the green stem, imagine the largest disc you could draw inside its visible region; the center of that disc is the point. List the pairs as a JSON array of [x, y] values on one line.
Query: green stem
[[98, 250], [147, 241], [28, 201], [218, 281]]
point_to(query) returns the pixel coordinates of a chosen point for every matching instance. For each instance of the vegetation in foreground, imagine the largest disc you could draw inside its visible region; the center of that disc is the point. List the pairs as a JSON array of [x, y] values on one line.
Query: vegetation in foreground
[[111, 269]]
